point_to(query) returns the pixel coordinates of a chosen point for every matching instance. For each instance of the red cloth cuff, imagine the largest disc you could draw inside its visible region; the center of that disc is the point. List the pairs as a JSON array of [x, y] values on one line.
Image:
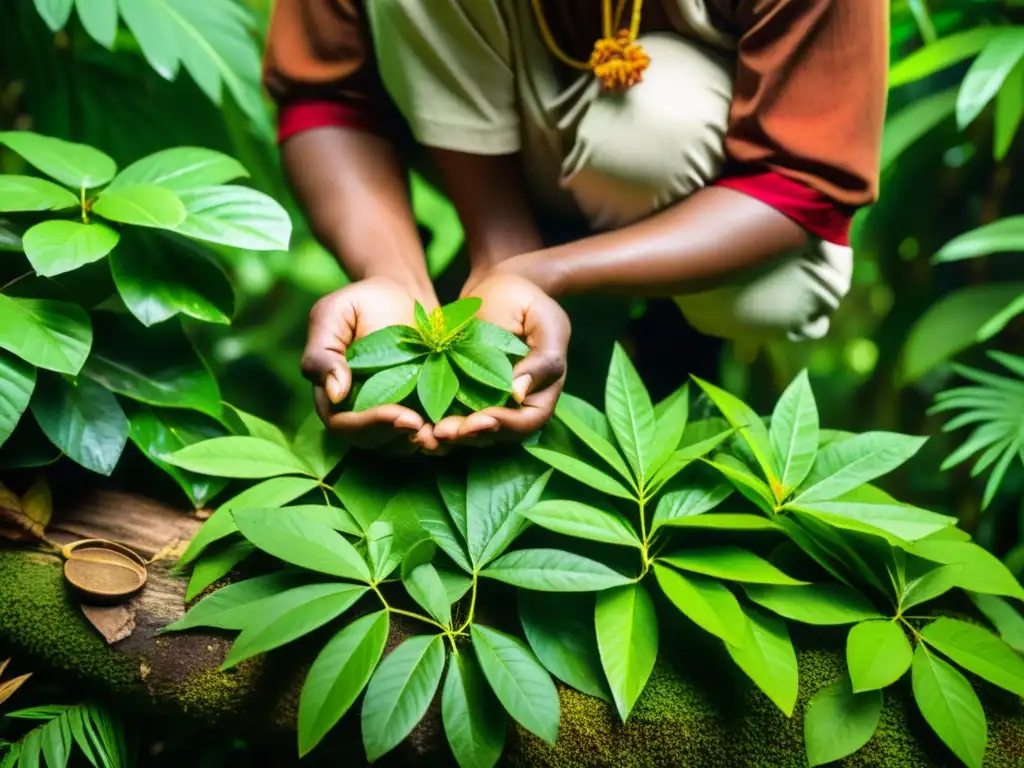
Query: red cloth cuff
[[300, 116], [809, 208]]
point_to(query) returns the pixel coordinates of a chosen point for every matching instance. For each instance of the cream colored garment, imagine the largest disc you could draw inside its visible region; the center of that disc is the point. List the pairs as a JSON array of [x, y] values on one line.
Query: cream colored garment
[[474, 76]]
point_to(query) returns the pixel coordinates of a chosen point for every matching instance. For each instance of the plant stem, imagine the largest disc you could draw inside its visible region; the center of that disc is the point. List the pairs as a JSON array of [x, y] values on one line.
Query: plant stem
[[410, 614], [327, 499], [18, 279], [472, 607], [85, 206]]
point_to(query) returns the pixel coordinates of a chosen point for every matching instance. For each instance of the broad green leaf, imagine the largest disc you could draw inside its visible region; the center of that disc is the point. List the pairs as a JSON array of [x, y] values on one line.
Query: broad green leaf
[[631, 414], [236, 605], [216, 565], [180, 169], [706, 602], [158, 366], [594, 440], [437, 522], [55, 335], [453, 488], [581, 471], [877, 654], [254, 426], [31, 749], [1004, 617], [338, 675], [275, 492], [1009, 112], [587, 413], [487, 365], [935, 583], [725, 522], [1001, 236], [144, 205], [378, 548], [302, 542], [521, 684], [768, 658], [477, 397], [422, 321], [17, 382], [335, 518], [424, 585], [838, 722], [99, 17], [406, 532], [238, 456], [842, 467], [751, 426], [681, 459], [389, 386], [363, 492], [27, 193], [729, 563], [458, 314], [54, 12], [385, 348], [690, 498], [437, 386], [627, 639], [902, 521], [56, 742], [560, 631], [950, 706], [75, 165], [583, 521], [488, 334], [235, 216], [456, 584], [321, 449], [552, 570], [670, 419], [913, 122], [83, 420], [497, 488], [941, 54], [290, 616], [794, 433], [399, 693], [822, 604], [982, 571], [987, 74], [979, 651], [751, 486], [474, 722]]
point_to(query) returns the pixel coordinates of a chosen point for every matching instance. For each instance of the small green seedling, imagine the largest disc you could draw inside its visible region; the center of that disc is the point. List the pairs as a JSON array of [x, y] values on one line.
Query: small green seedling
[[450, 355]]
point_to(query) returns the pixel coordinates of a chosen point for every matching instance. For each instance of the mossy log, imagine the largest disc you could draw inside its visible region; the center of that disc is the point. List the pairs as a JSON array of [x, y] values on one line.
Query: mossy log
[[698, 709]]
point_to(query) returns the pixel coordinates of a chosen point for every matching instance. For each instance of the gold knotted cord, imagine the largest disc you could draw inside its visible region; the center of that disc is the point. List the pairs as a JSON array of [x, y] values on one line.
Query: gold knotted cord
[[618, 61]]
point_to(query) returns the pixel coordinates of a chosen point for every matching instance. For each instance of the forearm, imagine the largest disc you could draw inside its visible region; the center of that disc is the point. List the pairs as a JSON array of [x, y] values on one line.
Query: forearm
[[693, 246], [352, 186]]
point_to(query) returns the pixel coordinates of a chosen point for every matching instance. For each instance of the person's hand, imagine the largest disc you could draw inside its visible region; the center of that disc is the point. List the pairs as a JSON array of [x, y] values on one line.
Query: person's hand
[[517, 305], [336, 321]]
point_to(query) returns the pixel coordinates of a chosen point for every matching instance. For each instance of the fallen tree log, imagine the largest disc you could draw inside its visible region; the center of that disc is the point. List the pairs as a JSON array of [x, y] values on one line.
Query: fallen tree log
[[698, 710]]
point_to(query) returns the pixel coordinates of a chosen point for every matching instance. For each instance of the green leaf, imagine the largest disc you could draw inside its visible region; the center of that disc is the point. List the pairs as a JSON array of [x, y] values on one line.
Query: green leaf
[[490, 335], [456, 584], [877, 654], [1004, 617], [1001, 236], [670, 419], [238, 217], [302, 542], [519, 681], [768, 658], [99, 17], [913, 122], [1009, 112], [706, 602], [424, 585], [981, 570], [56, 247], [581, 471], [394, 345], [560, 631], [941, 54], [737, 473], [487, 365], [181, 168], [75, 165], [321, 449], [83, 420], [979, 651], [254, 426], [474, 722], [681, 459], [950, 705], [794, 433], [437, 522], [821, 604], [422, 321], [583, 521], [238, 456], [842, 467], [725, 522], [27, 193], [292, 615], [399, 693], [552, 570], [216, 565], [902, 521], [144, 205], [627, 638], [569, 415], [751, 426], [17, 382], [56, 741], [477, 397], [158, 366], [498, 488], [459, 314], [838, 722], [338, 675], [275, 492], [690, 498], [729, 563], [55, 335], [390, 386], [988, 73], [31, 750], [362, 492], [236, 605], [437, 386], [335, 518], [54, 12], [631, 414]]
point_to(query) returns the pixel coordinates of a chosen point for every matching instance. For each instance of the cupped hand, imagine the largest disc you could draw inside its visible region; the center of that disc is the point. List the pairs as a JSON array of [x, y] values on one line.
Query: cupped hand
[[336, 321], [520, 306]]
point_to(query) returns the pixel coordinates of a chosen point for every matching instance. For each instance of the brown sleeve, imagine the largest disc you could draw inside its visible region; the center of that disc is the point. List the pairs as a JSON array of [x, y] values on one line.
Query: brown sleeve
[[810, 93]]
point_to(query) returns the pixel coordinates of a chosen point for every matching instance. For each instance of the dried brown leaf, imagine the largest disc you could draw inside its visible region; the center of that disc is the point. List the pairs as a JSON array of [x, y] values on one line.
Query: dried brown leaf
[[114, 622], [8, 688], [37, 503], [3, 666]]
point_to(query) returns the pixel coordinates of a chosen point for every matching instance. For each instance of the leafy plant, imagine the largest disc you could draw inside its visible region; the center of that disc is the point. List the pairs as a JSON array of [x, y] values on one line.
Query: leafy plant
[[450, 355], [95, 730]]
